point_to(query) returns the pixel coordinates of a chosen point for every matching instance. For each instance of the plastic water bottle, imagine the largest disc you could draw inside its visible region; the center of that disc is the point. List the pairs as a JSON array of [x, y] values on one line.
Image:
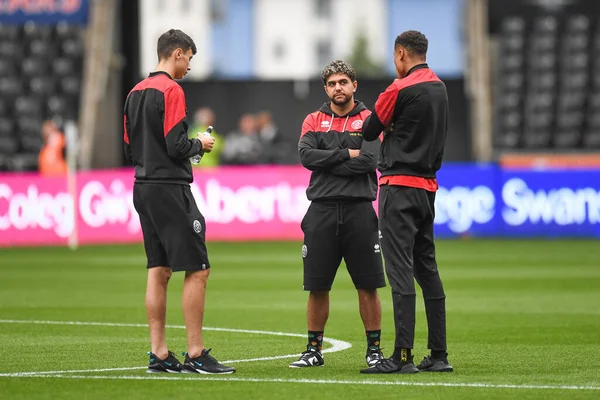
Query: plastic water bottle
[[196, 159]]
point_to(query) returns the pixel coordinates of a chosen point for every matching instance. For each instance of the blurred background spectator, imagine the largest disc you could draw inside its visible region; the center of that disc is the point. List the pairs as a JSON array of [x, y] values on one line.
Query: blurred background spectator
[[244, 146], [266, 127], [203, 118], [277, 148], [52, 155]]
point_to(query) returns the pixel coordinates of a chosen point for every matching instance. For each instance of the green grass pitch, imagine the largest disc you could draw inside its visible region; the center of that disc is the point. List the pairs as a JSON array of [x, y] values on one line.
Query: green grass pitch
[[523, 322]]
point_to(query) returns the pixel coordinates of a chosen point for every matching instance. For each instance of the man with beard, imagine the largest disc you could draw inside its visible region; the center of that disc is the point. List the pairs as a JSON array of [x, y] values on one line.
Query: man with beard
[[340, 222]]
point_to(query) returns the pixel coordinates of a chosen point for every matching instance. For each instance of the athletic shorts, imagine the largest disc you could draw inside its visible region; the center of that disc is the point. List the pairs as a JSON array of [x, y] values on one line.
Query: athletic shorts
[[174, 229], [336, 230]]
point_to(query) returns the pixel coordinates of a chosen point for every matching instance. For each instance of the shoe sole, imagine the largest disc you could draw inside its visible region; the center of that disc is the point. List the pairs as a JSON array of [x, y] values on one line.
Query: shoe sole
[[438, 366], [199, 371], [306, 366], [154, 371], [403, 370], [390, 373], [445, 369]]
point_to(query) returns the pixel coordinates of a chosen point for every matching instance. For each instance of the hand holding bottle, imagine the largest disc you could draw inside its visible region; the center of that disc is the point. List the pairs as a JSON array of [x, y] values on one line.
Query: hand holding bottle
[[208, 143]]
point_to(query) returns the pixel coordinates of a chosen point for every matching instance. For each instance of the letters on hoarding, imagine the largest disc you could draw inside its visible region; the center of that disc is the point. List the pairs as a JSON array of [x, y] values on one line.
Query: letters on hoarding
[[238, 204], [43, 11], [268, 203], [550, 203]]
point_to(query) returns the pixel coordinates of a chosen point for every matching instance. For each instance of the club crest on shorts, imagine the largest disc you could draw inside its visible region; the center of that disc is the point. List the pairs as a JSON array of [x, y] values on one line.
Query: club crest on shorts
[[304, 251], [197, 226]]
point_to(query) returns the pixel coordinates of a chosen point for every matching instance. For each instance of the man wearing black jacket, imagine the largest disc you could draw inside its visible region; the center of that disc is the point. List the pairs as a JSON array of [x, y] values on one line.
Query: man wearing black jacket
[[156, 142], [340, 222], [413, 114]]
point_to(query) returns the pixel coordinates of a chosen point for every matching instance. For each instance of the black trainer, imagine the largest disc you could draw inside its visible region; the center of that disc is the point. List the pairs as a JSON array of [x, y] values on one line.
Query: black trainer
[[373, 357], [310, 358], [430, 364], [169, 364], [205, 364], [391, 366]]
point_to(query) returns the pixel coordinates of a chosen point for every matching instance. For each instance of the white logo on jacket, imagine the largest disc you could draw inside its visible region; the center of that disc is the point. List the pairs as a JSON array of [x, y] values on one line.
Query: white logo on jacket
[[197, 226], [357, 124], [324, 124]]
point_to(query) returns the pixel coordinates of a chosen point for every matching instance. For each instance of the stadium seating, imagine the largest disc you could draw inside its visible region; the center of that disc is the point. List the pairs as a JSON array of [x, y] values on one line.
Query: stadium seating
[[40, 79], [547, 83]]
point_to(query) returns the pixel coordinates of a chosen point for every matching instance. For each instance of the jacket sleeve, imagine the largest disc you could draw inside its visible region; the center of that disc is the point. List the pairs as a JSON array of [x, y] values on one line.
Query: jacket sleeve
[[383, 115], [175, 126], [311, 156], [366, 162], [372, 127], [126, 145]]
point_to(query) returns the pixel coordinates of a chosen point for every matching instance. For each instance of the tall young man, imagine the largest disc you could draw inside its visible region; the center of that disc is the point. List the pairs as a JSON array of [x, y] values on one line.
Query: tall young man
[[340, 222], [156, 142], [413, 113]]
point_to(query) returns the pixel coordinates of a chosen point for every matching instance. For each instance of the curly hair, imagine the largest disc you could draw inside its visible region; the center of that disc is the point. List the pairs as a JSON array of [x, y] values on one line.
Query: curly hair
[[414, 41], [338, 67]]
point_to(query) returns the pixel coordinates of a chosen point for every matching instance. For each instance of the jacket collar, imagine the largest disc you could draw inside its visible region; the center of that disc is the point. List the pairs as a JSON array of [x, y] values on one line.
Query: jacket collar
[[416, 67], [156, 73]]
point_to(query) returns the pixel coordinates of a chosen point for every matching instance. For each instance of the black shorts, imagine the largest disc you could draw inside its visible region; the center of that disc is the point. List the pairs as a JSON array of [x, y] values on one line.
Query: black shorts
[[173, 227], [336, 230]]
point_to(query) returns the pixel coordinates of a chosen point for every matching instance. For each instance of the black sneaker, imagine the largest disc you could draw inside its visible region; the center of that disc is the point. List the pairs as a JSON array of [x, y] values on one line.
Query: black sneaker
[[373, 357], [205, 364], [430, 364], [391, 366], [169, 364], [310, 358]]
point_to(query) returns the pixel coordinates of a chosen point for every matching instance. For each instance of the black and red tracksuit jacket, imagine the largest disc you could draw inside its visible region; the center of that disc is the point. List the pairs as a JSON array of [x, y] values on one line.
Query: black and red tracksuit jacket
[[155, 131], [414, 113], [323, 149]]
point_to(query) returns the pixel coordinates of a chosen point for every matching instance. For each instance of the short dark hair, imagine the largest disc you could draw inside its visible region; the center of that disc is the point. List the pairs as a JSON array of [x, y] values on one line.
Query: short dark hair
[[171, 40], [414, 41], [338, 67]]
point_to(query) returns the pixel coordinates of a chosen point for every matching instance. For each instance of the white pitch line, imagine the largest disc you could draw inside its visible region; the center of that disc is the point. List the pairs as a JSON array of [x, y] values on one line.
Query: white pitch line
[[74, 371], [336, 345], [321, 381]]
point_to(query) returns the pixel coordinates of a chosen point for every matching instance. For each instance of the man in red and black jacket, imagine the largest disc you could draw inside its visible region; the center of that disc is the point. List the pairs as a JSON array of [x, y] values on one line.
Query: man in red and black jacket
[[413, 114], [340, 222], [156, 142]]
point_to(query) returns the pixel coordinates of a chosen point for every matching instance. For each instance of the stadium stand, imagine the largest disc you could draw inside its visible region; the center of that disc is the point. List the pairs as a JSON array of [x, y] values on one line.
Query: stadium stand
[[40, 79], [547, 84]]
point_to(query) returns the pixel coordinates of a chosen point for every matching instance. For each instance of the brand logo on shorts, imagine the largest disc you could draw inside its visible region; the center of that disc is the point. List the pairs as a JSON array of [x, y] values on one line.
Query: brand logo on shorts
[[357, 124], [376, 249], [197, 226], [380, 235], [304, 251]]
